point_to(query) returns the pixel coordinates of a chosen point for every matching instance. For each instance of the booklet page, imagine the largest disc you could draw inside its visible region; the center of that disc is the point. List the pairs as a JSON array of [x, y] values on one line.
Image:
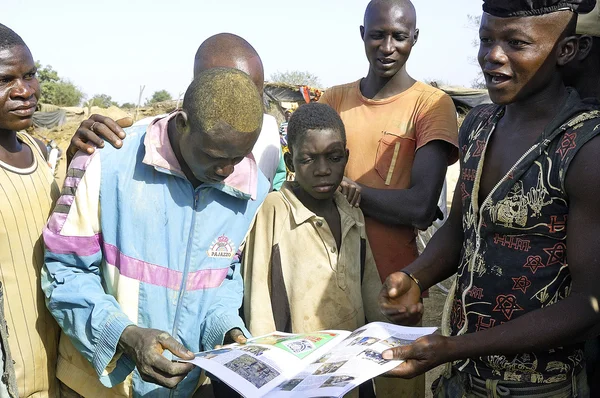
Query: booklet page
[[355, 360]]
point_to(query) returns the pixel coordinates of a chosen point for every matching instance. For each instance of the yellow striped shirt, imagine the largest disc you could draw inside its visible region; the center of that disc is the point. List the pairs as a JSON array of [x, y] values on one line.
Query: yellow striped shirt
[[26, 199]]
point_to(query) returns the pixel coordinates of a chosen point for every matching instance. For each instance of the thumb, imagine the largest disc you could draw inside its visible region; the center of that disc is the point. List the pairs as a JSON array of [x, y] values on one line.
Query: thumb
[[176, 348], [125, 122], [394, 284], [398, 353], [238, 336]]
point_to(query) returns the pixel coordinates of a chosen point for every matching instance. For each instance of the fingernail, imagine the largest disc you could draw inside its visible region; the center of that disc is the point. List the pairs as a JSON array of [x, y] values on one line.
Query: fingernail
[[387, 355], [90, 150], [190, 353], [118, 142]]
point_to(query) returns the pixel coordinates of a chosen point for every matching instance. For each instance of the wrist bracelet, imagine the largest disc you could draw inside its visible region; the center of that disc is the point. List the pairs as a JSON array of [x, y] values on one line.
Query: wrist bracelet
[[411, 276]]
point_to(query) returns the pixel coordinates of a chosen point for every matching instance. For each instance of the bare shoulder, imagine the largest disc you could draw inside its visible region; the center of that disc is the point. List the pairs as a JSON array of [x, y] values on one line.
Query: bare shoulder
[[583, 174]]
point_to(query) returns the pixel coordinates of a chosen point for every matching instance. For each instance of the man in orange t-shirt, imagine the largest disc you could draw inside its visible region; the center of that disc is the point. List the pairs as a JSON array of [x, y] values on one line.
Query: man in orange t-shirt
[[402, 134]]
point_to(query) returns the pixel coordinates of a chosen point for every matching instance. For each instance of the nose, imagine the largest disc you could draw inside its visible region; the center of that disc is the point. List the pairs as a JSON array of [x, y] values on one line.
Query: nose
[[224, 171], [495, 55], [387, 46], [322, 168], [22, 89]]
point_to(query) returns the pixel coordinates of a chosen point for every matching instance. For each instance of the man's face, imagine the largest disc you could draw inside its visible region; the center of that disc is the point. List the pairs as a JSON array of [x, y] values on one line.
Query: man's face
[[212, 156], [19, 88], [389, 35], [517, 56], [319, 159]]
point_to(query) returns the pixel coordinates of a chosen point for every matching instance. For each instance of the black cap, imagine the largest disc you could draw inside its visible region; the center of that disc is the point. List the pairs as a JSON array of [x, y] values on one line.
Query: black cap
[[525, 8]]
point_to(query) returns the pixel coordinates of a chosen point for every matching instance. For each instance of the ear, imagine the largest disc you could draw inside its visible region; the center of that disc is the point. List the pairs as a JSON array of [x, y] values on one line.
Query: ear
[[182, 122], [416, 36], [362, 32], [567, 50], [585, 46], [287, 158]]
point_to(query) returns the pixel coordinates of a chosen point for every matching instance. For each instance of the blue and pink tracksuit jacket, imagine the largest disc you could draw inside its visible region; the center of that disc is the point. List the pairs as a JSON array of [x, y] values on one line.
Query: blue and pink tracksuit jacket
[[132, 242]]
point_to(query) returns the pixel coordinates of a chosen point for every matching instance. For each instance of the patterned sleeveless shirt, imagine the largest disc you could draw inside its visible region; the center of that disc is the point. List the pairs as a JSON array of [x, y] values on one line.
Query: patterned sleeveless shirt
[[514, 255]]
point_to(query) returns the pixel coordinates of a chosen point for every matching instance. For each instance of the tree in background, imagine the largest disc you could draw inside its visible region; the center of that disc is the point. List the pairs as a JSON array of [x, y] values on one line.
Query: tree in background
[[55, 90], [128, 105], [473, 23], [159, 96], [101, 100], [296, 78]]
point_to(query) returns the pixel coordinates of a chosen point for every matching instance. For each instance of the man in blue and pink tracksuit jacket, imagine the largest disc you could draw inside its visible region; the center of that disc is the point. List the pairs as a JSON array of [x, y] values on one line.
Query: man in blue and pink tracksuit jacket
[[141, 243]]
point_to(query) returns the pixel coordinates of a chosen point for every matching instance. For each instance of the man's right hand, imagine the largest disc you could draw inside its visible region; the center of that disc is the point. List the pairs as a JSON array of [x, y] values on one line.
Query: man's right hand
[[93, 131], [145, 347], [400, 300]]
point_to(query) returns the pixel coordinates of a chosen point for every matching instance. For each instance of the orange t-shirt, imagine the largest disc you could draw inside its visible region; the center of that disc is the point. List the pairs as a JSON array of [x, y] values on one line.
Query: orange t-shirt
[[383, 136]]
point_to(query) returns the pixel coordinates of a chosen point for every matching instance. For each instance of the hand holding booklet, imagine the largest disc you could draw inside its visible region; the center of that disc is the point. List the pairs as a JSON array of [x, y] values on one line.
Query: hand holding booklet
[[327, 363]]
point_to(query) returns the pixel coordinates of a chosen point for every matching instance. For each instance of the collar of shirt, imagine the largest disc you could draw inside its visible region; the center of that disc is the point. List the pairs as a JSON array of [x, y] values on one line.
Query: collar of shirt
[[242, 183], [302, 214]]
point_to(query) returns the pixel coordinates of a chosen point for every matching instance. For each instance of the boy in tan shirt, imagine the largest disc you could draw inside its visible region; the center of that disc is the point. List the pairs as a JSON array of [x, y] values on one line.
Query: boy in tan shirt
[[307, 264]]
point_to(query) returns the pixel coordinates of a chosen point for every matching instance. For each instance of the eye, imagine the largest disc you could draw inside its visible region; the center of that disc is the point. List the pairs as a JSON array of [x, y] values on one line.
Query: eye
[[31, 75], [376, 36], [336, 158], [485, 40], [305, 160], [517, 43], [5, 80], [400, 37]]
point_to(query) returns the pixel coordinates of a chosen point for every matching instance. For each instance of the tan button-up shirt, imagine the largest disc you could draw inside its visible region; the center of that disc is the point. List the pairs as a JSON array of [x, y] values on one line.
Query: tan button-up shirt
[[295, 280]]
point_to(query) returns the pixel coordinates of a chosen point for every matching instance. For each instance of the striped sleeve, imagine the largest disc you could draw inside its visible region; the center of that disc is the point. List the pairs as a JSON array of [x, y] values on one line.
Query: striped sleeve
[[71, 277]]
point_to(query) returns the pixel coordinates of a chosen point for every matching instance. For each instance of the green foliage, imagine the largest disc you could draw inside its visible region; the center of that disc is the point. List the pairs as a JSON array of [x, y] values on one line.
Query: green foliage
[[101, 100], [295, 78], [159, 96], [57, 91], [128, 105]]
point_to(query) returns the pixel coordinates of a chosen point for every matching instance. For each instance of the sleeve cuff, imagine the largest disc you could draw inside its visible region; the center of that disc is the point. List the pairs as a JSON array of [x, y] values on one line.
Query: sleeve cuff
[[107, 347], [216, 329]]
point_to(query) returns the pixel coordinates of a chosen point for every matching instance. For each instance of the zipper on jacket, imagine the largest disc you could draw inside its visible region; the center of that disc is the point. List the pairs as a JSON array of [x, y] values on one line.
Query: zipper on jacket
[[480, 223], [186, 267]]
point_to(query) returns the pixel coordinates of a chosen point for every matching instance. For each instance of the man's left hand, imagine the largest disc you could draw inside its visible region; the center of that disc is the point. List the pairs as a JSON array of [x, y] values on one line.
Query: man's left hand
[[351, 190], [423, 355], [234, 336]]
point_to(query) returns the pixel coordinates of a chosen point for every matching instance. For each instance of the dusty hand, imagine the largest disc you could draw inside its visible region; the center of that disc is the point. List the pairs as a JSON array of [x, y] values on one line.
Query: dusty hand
[[351, 190], [424, 354], [145, 347], [87, 138], [234, 336], [400, 300]]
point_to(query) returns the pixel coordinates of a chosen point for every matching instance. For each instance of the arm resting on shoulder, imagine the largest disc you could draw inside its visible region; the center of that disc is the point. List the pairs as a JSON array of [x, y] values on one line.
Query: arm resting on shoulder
[[417, 205]]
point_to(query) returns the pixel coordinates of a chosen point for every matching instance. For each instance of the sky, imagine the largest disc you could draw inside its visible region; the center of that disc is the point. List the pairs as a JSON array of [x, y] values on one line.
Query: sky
[[114, 47]]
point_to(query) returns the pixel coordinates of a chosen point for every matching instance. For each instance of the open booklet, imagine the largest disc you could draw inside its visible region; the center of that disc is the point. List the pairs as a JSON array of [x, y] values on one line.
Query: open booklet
[[321, 364]]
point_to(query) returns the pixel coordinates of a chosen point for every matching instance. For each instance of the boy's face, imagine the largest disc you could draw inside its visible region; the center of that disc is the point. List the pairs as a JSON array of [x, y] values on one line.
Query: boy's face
[[319, 159], [19, 88], [518, 56]]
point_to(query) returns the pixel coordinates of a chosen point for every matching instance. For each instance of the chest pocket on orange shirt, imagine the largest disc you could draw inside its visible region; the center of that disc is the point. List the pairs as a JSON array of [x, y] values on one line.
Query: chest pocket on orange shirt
[[392, 153]]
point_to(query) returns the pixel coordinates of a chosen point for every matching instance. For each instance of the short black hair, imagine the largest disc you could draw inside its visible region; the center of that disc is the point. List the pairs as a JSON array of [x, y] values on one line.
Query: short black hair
[[9, 38], [226, 95], [313, 116]]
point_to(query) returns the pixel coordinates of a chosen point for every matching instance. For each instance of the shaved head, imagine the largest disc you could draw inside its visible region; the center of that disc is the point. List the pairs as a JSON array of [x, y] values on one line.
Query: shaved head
[[226, 50], [375, 6]]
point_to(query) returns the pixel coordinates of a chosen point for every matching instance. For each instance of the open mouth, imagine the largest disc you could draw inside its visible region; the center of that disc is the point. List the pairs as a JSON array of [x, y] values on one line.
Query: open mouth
[[497, 78], [386, 62]]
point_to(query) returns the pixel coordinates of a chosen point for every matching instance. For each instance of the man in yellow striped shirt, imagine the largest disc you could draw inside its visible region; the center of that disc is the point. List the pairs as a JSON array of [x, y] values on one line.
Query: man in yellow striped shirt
[[27, 194]]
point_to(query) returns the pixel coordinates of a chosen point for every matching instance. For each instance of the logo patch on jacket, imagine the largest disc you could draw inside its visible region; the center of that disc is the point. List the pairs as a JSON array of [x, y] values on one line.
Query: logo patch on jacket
[[221, 247]]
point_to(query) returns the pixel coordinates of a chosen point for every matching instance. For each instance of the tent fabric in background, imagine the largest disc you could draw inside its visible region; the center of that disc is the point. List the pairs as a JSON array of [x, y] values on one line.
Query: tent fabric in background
[[49, 119]]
